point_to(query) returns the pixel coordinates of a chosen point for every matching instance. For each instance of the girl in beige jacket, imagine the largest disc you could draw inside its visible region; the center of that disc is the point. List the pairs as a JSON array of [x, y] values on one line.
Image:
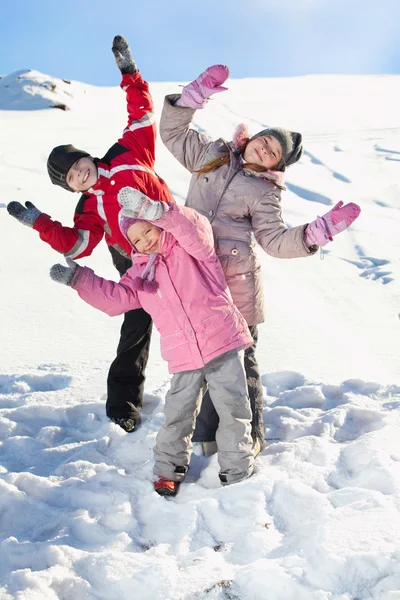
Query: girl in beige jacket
[[237, 186]]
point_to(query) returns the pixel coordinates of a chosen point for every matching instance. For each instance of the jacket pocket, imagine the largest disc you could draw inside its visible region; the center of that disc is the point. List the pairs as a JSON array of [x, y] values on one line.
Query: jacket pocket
[[236, 256]]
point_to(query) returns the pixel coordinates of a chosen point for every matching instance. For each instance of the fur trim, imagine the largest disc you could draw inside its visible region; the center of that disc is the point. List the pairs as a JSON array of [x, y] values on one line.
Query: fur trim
[[150, 286], [138, 283], [241, 136], [276, 177]]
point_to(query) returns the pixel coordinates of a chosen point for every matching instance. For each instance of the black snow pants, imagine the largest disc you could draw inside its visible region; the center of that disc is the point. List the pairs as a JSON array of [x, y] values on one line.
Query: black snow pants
[[125, 382]]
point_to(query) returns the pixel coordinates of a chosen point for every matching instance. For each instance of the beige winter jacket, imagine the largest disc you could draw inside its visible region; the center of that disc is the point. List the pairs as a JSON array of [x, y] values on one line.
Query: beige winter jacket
[[237, 204]]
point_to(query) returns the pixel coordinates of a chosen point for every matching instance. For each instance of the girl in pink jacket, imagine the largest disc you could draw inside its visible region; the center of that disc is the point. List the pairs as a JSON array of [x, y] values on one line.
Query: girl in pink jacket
[[177, 278]]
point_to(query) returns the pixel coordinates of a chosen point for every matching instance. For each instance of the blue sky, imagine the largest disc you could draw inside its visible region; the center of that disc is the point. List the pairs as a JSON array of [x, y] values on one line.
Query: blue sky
[[175, 40]]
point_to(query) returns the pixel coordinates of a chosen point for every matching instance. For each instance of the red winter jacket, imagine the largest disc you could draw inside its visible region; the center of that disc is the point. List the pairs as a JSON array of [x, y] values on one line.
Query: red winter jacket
[[130, 162]]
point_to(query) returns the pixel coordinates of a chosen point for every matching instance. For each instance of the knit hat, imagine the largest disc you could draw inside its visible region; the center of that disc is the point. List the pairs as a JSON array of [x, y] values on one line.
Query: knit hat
[[291, 143], [124, 224], [60, 161], [146, 281]]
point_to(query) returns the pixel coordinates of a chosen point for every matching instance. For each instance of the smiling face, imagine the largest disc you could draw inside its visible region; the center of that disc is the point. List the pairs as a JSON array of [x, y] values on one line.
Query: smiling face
[[264, 150], [82, 175], [145, 237]]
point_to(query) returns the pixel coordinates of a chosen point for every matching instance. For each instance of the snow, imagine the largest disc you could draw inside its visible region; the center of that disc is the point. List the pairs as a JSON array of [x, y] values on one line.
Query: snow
[[320, 519]]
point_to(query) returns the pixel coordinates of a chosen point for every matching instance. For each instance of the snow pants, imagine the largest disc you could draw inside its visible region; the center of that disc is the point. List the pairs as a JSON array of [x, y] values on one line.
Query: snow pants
[[207, 420], [227, 384], [125, 382]]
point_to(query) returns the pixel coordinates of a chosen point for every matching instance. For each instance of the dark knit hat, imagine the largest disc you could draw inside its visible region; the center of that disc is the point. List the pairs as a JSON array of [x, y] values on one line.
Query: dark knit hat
[[60, 161], [291, 142]]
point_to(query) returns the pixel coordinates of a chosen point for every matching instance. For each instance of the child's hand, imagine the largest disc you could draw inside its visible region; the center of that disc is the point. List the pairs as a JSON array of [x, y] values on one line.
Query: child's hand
[[26, 216], [322, 230], [137, 205], [196, 94], [66, 275], [123, 56]]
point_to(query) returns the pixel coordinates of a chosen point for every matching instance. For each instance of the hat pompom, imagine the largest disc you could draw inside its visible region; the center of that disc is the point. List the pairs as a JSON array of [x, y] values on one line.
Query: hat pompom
[[150, 286], [241, 135], [138, 283]]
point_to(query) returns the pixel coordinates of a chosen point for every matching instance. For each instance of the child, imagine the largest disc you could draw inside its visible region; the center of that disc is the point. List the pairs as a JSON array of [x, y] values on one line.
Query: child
[[177, 278], [237, 186], [128, 162]]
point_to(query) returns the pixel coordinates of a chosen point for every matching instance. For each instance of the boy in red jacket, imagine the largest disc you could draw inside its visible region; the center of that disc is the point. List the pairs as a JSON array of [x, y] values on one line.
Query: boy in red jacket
[[129, 162]]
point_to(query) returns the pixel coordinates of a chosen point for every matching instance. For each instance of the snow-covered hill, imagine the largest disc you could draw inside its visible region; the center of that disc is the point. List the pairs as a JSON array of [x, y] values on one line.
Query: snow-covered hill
[[31, 90], [320, 518]]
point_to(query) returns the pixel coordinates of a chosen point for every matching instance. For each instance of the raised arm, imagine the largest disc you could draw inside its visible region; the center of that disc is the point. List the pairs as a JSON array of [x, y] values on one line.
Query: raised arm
[[191, 148], [140, 133]]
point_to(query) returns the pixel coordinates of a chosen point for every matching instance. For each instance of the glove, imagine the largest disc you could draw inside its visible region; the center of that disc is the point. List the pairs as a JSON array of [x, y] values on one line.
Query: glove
[[123, 56], [197, 93], [26, 216], [66, 275], [322, 230], [137, 205]]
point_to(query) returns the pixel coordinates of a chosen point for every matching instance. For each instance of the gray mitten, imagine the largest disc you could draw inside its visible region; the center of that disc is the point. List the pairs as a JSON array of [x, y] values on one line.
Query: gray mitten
[[123, 56], [137, 205], [26, 216], [66, 275]]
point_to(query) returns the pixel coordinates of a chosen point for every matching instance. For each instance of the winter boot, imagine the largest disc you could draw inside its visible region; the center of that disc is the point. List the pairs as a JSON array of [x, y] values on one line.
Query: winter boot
[[226, 478], [165, 487], [127, 423]]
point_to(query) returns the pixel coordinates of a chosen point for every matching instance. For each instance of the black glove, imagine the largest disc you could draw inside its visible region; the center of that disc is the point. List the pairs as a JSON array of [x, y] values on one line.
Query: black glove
[[123, 56], [26, 216], [65, 275]]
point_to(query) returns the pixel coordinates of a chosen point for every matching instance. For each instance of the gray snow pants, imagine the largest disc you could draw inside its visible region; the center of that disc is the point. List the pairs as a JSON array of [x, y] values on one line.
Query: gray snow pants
[[226, 380], [207, 420]]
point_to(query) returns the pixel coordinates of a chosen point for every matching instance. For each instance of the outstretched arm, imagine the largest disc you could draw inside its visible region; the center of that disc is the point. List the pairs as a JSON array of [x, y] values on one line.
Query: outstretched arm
[[76, 242], [140, 134], [108, 296], [191, 148]]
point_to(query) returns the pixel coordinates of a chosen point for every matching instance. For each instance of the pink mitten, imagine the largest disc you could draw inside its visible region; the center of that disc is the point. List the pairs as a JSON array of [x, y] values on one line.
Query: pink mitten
[[322, 230], [197, 93]]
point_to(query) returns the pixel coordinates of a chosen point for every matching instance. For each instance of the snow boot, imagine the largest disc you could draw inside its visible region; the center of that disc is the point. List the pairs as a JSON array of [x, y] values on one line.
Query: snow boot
[[127, 423], [226, 477], [165, 487]]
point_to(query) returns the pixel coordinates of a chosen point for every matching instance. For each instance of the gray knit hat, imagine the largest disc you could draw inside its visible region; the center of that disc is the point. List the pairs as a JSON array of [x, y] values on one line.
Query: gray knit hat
[[291, 143], [60, 161]]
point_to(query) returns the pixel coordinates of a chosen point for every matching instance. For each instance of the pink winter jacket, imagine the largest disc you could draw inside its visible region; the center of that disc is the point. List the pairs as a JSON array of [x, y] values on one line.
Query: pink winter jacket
[[192, 309]]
